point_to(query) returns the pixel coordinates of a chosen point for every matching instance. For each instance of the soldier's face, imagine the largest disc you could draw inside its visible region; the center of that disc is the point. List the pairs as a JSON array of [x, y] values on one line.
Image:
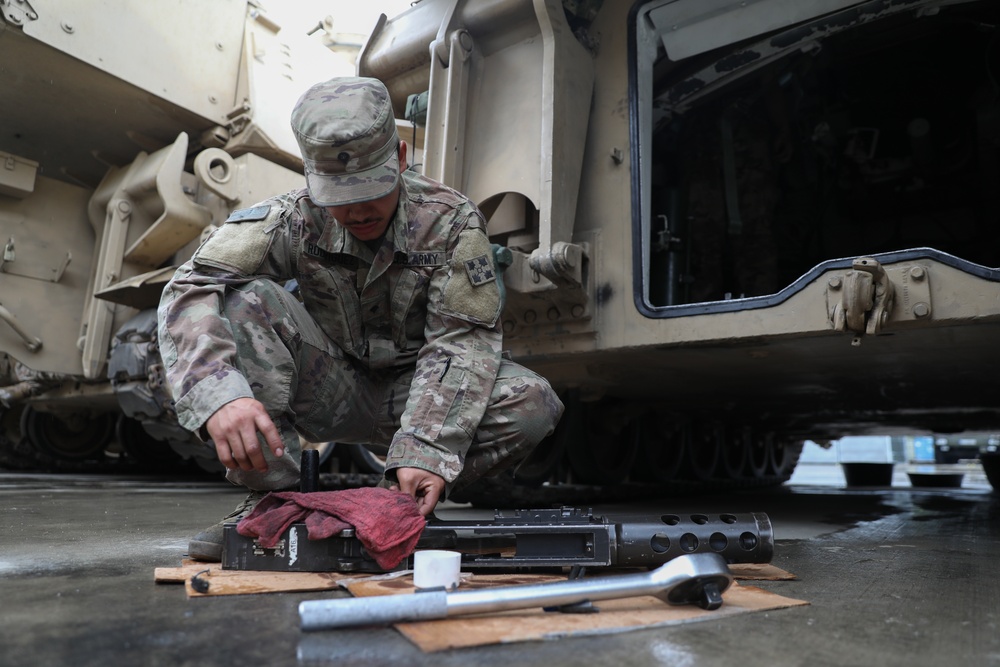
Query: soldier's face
[[367, 220]]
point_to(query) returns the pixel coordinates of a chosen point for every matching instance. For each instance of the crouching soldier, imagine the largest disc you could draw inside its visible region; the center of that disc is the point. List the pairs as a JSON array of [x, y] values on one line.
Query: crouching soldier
[[393, 342]]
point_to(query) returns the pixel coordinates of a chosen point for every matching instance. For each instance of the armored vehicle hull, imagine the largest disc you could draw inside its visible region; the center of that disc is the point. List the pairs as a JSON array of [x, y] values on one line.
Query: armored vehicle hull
[[734, 226], [728, 227]]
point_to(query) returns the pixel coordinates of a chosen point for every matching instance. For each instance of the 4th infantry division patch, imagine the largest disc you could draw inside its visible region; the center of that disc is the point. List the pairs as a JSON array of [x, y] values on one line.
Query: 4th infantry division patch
[[480, 270]]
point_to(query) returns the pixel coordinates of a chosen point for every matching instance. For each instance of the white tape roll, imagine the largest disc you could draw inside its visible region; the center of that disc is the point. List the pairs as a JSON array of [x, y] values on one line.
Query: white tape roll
[[434, 569]]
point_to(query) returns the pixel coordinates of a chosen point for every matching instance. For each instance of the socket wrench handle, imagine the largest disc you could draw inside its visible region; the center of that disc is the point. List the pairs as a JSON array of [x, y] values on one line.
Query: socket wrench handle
[[691, 579]]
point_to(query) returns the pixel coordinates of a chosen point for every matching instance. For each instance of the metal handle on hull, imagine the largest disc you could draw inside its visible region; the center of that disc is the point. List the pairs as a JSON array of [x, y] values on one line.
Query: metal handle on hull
[[33, 343]]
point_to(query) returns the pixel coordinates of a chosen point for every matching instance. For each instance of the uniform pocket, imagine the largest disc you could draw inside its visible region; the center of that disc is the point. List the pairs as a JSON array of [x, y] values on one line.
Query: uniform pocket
[[435, 415], [409, 312], [332, 302]]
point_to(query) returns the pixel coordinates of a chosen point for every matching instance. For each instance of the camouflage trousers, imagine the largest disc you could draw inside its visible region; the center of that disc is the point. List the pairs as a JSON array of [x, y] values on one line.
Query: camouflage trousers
[[311, 387]]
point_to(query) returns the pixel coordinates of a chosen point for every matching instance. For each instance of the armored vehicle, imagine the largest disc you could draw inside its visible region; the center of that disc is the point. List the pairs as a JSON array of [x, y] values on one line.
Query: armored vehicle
[[727, 226], [130, 130], [732, 225]]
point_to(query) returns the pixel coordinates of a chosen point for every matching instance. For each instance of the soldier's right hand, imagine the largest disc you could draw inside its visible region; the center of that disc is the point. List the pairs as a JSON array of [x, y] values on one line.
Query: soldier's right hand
[[234, 428]]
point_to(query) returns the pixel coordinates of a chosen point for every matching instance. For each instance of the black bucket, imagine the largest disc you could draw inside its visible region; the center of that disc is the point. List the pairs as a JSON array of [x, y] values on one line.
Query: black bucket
[[941, 480], [991, 466], [868, 474]]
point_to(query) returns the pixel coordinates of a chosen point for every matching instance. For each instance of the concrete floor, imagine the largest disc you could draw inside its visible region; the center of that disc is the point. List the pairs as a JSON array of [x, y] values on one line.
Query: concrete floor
[[896, 576]]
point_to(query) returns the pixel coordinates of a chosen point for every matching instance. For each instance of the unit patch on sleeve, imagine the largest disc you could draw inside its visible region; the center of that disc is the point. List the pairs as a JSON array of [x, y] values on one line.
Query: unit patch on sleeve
[[472, 294], [480, 270]]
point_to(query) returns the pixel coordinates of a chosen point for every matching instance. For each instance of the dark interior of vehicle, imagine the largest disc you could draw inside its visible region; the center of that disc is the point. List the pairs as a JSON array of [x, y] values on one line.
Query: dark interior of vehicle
[[882, 139]]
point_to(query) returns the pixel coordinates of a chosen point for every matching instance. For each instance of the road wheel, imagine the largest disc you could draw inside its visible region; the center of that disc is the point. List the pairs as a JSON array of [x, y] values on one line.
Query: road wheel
[[70, 436], [760, 454], [661, 449], [784, 457], [606, 450], [734, 452], [704, 449]]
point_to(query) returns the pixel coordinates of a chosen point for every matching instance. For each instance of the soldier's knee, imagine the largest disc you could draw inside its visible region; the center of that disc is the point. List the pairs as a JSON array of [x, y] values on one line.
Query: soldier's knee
[[556, 406], [544, 408]]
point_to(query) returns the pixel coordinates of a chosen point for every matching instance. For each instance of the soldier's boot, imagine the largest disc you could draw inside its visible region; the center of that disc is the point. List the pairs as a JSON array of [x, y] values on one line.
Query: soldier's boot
[[207, 545]]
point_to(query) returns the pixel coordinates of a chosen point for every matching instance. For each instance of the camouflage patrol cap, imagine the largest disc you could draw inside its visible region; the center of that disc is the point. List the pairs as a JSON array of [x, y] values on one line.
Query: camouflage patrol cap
[[347, 135]]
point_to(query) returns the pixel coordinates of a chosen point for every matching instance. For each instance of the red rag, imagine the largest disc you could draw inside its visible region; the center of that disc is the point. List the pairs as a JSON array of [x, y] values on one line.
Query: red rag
[[270, 519], [320, 525], [388, 523]]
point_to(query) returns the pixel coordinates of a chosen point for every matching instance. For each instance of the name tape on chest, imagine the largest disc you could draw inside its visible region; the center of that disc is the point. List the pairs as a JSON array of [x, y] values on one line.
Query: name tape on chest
[[316, 251], [337, 258], [425, 258]]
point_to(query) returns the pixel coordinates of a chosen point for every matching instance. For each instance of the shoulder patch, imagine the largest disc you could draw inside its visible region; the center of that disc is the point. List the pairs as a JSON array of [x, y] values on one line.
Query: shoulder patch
[[472, 292], [480, 270], [249, 214], [241, 247]]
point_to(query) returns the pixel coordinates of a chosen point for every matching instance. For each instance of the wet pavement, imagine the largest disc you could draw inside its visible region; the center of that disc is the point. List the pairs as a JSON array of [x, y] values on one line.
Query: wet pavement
[[895, 576]]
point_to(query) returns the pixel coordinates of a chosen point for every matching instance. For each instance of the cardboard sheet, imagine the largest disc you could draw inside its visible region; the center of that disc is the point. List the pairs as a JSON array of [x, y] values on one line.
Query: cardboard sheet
[[506, 627], [213, 580], [760, 572], [216, 581], [536, 624]]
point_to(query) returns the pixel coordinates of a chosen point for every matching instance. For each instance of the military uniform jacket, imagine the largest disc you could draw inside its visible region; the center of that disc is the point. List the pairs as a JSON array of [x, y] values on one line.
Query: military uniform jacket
[[427, 298]]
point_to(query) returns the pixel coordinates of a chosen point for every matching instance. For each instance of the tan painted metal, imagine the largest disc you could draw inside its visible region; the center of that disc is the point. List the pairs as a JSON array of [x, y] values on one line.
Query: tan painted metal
[[45, 229], [586, 331], [539, 80], [138, 128]]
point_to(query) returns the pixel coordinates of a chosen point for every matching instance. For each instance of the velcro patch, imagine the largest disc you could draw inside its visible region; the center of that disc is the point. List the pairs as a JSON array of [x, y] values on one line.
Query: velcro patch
[[474, 296], [249, 214], [480, 270], [239, 247]]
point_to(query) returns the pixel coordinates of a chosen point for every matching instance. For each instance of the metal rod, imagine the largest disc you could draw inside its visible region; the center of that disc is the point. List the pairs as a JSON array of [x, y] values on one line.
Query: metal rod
[[691, 579], [309, 471], [33, 343]]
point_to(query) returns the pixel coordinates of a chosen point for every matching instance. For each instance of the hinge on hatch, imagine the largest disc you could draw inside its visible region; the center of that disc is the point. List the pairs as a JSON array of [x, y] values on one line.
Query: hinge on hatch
[[239, 117], [18, 13], [865, 297]]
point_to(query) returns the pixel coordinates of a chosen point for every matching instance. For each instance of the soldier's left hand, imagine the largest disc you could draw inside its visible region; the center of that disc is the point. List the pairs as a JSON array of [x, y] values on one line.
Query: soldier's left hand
[[423, 485]]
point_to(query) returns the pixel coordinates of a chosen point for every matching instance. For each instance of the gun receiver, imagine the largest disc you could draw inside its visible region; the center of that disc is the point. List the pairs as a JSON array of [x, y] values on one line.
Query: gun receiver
[[540, 538]]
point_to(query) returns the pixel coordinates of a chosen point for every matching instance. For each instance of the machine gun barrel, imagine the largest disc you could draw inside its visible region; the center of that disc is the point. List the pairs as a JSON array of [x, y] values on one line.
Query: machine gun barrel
[[690, 579]]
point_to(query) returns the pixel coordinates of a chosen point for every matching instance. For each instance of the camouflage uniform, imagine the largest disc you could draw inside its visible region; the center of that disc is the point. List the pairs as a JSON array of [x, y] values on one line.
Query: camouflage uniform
[[397, 348]]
